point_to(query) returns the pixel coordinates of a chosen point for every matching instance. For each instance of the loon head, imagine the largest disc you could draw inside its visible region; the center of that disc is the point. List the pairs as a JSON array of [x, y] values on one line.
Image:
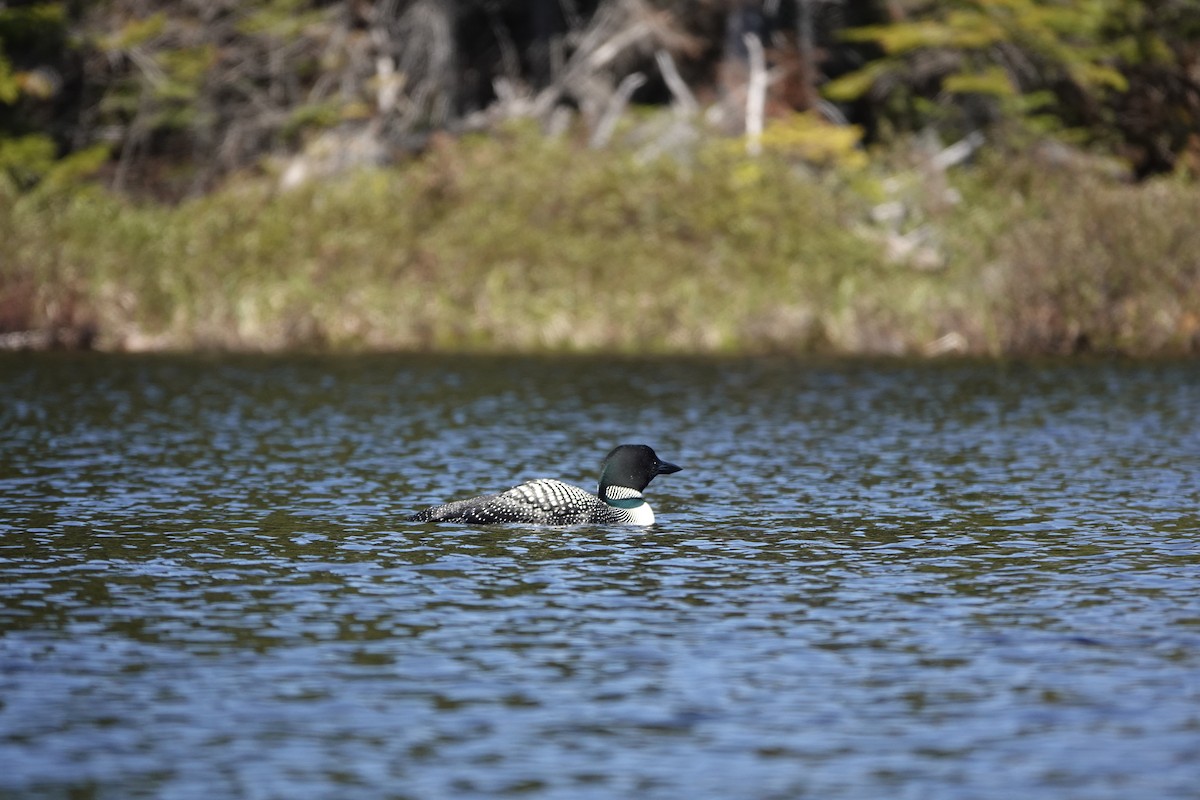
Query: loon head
[[630, 467]]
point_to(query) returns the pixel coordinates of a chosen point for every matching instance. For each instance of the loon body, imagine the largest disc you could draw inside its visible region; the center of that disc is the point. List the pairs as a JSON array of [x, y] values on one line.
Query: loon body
[[626, 472]]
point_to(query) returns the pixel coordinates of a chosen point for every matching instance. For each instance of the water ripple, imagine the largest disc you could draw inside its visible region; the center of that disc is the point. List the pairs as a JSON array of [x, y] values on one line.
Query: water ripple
[[869, 581]]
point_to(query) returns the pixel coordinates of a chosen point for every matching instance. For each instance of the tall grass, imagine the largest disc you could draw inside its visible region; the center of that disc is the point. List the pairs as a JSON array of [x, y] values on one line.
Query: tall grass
[[1088, 264], [516, 243]]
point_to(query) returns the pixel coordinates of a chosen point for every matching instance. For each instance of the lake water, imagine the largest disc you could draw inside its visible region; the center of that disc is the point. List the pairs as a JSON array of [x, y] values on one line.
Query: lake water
[[870, 580]]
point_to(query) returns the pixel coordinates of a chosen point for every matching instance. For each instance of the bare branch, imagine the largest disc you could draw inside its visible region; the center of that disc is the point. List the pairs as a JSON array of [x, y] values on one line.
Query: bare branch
[[616, 105], [617, 27], [685, 101], [756, 92]]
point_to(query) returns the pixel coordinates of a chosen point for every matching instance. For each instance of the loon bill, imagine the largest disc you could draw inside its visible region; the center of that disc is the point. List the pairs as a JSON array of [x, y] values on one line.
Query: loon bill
[[627, 470]]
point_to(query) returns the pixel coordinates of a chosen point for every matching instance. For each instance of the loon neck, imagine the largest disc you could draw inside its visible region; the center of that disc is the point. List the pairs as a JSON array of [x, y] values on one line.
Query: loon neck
[[631, 502], [638, 512], [627, 502], [621, 496]]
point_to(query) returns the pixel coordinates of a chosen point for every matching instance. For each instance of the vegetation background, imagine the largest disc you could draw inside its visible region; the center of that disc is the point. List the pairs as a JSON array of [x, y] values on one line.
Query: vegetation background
[[685, 176]]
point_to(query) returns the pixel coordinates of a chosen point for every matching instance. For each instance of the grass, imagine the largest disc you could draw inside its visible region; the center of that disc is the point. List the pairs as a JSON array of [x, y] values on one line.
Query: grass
[[1077, 262], [516, 243]]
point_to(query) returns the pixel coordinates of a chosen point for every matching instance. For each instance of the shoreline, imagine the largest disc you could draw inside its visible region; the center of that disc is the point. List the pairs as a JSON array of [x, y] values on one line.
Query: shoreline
[[524, 245]]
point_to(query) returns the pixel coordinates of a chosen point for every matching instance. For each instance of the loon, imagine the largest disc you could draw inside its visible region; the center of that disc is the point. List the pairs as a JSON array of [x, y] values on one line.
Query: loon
[[625, 473]]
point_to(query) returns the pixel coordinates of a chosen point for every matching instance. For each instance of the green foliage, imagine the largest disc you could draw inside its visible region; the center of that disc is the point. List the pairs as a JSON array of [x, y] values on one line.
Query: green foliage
[[225, 83], [10, 82], [31, 163], [34, 33], [25, 160], [36, 28], [1156, 44], [136, 32], [1013, 54], [281, 19], [170, 73], [990, 80], [71, 172], [196, 91], [810, 138], [959, 29], [184, 72], [311, 116], [856, 84], [35, 36]]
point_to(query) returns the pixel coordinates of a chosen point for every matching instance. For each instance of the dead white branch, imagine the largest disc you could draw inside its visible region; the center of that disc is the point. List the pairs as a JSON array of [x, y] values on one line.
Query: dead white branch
[[756, 94], [616, 105], [958, 152], [617, 27], [685, 101], [389, 84]]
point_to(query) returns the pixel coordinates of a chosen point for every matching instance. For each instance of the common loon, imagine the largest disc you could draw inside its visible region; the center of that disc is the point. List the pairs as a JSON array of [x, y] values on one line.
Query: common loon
[[625, 473]]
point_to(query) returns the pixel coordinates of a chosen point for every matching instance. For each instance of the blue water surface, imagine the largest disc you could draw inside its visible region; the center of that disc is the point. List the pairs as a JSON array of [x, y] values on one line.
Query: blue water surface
[[871, 580]]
